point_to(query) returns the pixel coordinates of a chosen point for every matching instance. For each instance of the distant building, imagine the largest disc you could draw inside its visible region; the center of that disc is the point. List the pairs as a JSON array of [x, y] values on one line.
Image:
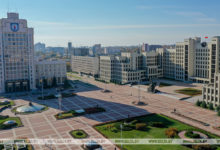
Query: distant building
[[97, 49], [39, 47], [69, 49], [145, 47], [48, 70], [85, 64], [16, 55], [81, 51], [60, 50], [111, 50]]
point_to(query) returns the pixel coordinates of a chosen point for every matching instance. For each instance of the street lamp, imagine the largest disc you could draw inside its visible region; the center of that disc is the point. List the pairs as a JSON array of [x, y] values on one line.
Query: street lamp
[[121, 126], [59, 101], [42, 88]]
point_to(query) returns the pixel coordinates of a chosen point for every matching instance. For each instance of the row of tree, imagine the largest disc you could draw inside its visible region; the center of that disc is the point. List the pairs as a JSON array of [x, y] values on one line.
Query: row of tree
[[210, 106]]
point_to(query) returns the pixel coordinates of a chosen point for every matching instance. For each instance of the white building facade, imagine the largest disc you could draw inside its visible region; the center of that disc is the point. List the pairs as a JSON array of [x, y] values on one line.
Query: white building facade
[[85, 64]]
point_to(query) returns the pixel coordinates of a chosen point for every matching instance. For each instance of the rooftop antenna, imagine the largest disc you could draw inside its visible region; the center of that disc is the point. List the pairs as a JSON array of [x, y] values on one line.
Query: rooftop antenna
[[8, 5]]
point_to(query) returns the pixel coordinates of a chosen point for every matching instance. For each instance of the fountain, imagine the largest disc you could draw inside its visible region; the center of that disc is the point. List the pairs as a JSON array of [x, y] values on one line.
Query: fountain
[[30, 108]]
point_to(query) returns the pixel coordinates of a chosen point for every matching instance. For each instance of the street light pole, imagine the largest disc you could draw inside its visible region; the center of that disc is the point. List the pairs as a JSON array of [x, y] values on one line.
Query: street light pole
[[121, 136], [139, 92], [42, 88]]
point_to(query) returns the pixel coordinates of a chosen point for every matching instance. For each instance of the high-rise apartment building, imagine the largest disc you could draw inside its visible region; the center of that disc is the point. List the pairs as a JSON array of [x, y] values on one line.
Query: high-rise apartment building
[[69, 49], [17, 71], [145, 47]]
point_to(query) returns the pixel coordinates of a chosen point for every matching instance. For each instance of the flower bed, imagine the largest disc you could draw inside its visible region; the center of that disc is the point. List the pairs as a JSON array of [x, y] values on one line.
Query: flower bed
[[73, 113], [78, 134], [51, 96], [93, 110], [68, 94]]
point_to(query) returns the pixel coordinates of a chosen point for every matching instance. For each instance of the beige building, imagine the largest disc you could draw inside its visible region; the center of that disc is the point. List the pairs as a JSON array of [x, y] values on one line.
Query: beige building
[[152, 65], [211, 91], [48, 70], [16, 55], [85, 64], [167, 59], [127, 68]]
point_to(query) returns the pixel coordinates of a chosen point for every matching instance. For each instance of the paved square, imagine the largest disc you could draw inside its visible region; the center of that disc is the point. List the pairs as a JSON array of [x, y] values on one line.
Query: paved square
[[118, 104]]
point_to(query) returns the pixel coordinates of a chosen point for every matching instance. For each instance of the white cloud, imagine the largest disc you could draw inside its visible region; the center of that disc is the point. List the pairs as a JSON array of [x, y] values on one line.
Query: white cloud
[[69, 26], [197, 16], [191, 14]]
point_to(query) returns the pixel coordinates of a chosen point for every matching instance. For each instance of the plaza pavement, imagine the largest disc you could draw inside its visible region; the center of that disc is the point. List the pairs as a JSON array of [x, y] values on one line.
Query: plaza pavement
[[118, 104]]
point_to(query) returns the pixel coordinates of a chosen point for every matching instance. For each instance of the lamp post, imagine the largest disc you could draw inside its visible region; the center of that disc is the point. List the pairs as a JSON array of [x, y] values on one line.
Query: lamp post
[[121, 126], [60, 101], [42, 88], [139, 93]]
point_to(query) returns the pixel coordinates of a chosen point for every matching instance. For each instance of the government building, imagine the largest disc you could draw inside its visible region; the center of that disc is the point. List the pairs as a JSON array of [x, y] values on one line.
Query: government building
[[18, 70]]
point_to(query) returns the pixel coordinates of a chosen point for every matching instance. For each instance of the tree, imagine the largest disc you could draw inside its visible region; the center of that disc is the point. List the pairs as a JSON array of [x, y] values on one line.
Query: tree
[[68, 67], [211, 106], [45, 83], [198, 103], [171, 132], [54, 82], [204, 105]]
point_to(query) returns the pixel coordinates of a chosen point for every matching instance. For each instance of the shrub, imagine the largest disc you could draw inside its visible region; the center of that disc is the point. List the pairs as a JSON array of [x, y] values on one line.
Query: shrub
[[218, 108], [157, 124], [196, 136], [134, 122], [171, 132], [219, 113], [204, 147], [125, 127], [190, 134], [203, 104], [141, 126], [78, 134], [8, 126], [114, 130], [198, 103], [3, 117], [211, 106]]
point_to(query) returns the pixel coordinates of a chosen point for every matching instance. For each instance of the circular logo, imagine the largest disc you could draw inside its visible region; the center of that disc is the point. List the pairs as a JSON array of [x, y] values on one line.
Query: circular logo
[[204, 44], [14, 27]]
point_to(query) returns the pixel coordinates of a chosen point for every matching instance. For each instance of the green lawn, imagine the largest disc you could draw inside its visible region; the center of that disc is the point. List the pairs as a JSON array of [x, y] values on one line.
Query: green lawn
[[189, 91], [11, 103], [74, 76], [151, 132]]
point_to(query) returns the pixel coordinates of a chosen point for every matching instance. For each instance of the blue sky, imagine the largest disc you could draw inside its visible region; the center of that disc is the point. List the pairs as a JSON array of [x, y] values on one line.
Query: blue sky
[[116, 22]]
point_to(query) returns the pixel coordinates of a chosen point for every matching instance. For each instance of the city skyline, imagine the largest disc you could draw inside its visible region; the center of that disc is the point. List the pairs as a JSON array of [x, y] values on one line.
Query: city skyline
[[116, 23]]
